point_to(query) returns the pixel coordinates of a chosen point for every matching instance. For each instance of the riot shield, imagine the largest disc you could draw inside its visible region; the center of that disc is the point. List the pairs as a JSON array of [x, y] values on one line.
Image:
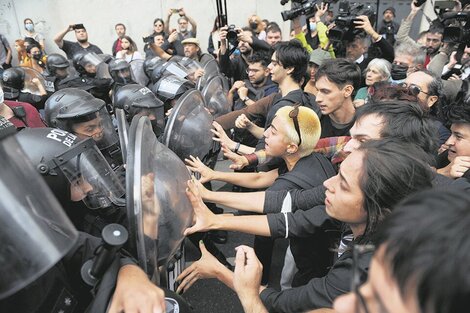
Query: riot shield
[[123, 131], [187, 131], [157, 206], [34, 228], [215, 97], [29, 86], [211, 69], [102, 69], [137, 67]]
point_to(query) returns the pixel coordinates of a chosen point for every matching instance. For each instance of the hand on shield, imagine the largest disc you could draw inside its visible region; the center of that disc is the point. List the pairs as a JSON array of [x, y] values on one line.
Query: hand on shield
[[206, 267], [196, 165], [238, 161], [248, 272], [222, 137], [204, 219], [136, 293]]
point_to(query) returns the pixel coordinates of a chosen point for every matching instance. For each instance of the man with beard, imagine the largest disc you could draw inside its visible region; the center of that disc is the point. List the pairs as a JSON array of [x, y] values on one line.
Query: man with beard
[[389, 27], [247, 92], [433, 42], [247, 44], [81, 45], [121, 32]]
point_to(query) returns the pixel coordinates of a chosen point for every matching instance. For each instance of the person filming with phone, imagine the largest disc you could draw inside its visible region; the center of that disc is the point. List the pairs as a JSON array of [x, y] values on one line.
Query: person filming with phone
[[81, 45]]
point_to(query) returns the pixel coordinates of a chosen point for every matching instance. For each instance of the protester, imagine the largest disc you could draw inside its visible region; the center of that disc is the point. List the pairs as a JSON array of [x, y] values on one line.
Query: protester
[[81, 45]]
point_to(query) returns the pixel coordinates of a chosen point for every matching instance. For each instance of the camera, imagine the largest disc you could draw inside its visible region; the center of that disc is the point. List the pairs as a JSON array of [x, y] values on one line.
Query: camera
[[457, 34], [78, 26], [306, 7], [232, 35], [419, 3], [345, 27], [148, 39]]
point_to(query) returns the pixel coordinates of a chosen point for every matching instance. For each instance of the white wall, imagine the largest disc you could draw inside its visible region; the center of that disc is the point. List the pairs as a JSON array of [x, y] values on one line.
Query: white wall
[[100, 16]]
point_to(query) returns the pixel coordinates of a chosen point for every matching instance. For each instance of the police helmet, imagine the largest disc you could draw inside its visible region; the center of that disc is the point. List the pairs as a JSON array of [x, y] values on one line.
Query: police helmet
[[74, 169], [171, 87], [121, 71], [56, 61], [70, 107], [13, 82]]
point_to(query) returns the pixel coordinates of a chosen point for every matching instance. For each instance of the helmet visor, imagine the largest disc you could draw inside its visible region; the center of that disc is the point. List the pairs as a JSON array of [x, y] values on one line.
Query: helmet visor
[[91, 178]]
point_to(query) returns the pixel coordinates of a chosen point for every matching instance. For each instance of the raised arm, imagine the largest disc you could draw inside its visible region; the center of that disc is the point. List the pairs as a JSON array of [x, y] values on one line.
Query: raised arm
[[59, 38]]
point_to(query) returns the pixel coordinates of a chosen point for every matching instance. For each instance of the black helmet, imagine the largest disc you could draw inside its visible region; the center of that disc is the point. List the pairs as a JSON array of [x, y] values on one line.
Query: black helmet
[[72, 109], [135, 100], [171, 87], [13, 82], [121, 71], [151, 64], [83, 59], [168, 68], [74, 170], [55, 61]]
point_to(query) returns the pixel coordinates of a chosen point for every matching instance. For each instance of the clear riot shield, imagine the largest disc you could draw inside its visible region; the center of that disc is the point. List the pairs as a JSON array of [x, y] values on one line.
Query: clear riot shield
[[187, 131], [102, 69], [35, 231], [158, 208], [211, 69], [123, 131], [29, 86], [137, 67], [215, 97]]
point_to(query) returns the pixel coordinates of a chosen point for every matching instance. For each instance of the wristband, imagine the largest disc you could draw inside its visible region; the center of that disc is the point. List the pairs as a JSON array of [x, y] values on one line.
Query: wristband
[[252, 159], [237, 147]]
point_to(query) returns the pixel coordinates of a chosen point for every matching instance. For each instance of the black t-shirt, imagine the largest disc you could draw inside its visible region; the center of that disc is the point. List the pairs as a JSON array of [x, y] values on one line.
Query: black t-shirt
[[332, 129], [71, 48]]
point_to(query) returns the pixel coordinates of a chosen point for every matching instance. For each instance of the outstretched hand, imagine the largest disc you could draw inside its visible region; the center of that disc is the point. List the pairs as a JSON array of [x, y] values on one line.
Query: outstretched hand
[[222, 137], [206, 267], [196, 165], [238, 161], [204, 219]]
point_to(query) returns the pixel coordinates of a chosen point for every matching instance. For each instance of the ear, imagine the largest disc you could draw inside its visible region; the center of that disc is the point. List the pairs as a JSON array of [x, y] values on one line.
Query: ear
[[432, 100], [292, 148], [290, 70], [348, 91]]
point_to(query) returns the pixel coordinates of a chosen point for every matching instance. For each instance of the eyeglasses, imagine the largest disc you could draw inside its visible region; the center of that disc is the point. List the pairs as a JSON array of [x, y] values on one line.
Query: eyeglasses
[[294, 116], [357, 280], [414, 89]]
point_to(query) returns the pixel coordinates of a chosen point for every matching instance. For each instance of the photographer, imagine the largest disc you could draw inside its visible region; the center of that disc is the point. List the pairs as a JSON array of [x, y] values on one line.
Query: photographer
[[81, 45], [389, 27], [247, 44], [176, 37], [464, 62], [356, 49], [316, 31]]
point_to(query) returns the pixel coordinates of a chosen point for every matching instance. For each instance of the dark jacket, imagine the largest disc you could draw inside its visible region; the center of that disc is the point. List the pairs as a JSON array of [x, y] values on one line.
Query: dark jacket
[[236, 67], [319, 292]]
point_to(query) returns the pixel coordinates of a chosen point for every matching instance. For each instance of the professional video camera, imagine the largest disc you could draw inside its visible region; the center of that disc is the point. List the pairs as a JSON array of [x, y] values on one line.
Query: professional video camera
[[347, 14], [306, 7], [457, 34]]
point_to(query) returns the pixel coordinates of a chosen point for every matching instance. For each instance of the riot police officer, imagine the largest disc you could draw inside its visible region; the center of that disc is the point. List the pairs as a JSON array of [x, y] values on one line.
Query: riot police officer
[[57, 67], [170, 88], [43, 253], [16, 79], [87, 65], [121, 73], [80, 113], [135, 100]]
